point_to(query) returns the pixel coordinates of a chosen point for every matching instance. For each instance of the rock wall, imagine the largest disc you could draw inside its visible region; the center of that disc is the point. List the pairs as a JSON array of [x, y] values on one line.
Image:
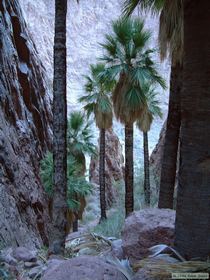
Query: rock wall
[[114, 166], [25, 133]]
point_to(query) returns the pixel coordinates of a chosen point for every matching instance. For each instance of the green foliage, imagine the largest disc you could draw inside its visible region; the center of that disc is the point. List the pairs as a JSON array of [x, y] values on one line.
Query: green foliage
[[97, 98], [77, 185], [128, 59], [145, 5], [46, 173], [113, 225], [151, 109], [79, 142], [79, 135], [139, 200]]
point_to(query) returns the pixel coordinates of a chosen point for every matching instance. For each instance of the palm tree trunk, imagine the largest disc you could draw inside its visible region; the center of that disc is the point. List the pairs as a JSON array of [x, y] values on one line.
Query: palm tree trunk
[[102, 174], [129, 201], [169, 162], [193, 203], [58, 234], [146, 170], [75, 222]]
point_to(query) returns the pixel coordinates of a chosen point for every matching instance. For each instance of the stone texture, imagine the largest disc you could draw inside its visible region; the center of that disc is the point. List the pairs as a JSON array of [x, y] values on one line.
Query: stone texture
[[146, 228], [114, 166], [25, 133], [6, 256], [23, 254], [86, 268], [157, 155]]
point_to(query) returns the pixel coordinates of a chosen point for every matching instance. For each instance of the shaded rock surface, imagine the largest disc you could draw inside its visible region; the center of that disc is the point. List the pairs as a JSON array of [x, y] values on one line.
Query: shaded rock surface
[[23, 254], [114, 166], [146, 228], [157, 155], [86, 268], [25, 133]]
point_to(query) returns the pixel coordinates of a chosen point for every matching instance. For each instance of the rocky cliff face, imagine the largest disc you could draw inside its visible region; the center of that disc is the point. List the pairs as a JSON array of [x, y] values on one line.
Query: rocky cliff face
[[25, 132]]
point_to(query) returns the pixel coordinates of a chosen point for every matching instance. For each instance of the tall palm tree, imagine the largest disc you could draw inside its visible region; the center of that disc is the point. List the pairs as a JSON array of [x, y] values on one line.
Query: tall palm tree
[[128, 59], [58, 234], [170, 41], [98, 103], [151, 110]]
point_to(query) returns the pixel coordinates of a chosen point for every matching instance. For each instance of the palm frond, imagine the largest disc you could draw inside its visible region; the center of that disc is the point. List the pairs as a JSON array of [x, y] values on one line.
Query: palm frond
[[151, 109], [97, 99], [132, 66], [143, 5], [79, 135]]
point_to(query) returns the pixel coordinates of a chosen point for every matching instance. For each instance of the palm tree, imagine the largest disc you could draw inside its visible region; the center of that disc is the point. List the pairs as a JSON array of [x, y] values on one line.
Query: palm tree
[[170, 41], [193, 207], [98, 103], [151, 110], [77, 188], [79, 139], [78, 144], [58, 234], [129, 60]]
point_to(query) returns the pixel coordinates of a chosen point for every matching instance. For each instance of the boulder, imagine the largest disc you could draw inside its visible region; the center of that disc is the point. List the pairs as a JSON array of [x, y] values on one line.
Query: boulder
[[146, 228], [114, 166], [84, 268], [24, 254]]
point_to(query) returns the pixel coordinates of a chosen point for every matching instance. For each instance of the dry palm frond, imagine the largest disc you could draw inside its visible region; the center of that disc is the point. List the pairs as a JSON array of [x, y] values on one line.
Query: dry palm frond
[[171, 30], [127, 101], [88, 244], [122, 265], [162, 248], [160, 267], [145, 120]]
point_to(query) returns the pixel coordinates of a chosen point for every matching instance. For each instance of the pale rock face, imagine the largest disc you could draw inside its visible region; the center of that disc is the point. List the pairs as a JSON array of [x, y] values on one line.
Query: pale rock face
[[86, 25]]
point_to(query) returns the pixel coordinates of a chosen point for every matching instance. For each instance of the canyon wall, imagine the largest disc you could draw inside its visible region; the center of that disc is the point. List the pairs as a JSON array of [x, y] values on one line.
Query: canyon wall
[[87, 23], [25, 133]]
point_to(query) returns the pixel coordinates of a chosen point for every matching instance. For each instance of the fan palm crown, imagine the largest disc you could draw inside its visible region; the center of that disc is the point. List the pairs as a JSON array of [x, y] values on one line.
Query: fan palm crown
[[129, 60], [171, 32], [97, 97], [151, 109], [79, 135]]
